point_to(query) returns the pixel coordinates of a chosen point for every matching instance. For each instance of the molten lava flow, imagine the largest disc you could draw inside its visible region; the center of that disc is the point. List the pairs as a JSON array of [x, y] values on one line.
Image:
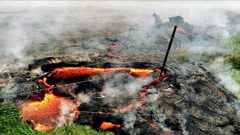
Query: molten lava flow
[[182, 30], [151, 124], [44, 83], [155, 126], [226, 96], [45, 114], [141, 72], [143, 94], [40, 127], [117, 56], [115, 34], [107, 125], [130, 107], [110, 33], [115, 45], [71, 72], [160, 77]]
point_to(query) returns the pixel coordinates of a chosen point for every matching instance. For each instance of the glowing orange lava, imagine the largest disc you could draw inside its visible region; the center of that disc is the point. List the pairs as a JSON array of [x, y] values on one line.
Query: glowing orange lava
[[182, 30], [153, 125], [115, 34], [106, 125], [44, 115], [71, 72], [40, 127], [130, 107], [117, 56], [226, 96], [44, 83], [115, 45]]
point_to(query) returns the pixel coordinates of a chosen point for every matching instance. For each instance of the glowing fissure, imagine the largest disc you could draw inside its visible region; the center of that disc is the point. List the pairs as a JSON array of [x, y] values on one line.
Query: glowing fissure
[[130, 107], [153, 125], [117, 56], [182, 30], [71, 72], [226, 96], [115, 34], [106, 125]]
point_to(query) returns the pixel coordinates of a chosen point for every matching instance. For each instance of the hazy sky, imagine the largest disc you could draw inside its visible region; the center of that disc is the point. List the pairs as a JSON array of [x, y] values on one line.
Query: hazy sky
[[120, 4]]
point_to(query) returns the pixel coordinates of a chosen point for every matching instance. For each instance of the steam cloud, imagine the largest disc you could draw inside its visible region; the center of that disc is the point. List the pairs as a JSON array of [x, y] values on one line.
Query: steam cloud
[[66, 116], [117, 90]]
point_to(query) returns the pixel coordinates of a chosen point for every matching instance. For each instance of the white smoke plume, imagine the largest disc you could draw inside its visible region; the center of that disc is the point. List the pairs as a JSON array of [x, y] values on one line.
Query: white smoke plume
[[67, 114], [224, 73], [83, 98], [129, 121], [9, 93], [153, 96], [112, 92], [40, 23], [160, 117], [69, 90]]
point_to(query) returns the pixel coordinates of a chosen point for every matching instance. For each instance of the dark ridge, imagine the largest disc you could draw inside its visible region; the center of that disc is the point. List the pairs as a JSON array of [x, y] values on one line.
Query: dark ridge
[[39, 62]]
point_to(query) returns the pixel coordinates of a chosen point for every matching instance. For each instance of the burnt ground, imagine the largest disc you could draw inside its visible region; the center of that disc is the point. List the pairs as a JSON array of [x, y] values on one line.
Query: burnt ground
[[190, 101]]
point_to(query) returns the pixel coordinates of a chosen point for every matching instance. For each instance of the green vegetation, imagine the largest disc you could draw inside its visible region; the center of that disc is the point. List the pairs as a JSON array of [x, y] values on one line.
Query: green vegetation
[[234, 57], [207, 57], [236, 77], [10, 124], [210, 56], [181, 52]]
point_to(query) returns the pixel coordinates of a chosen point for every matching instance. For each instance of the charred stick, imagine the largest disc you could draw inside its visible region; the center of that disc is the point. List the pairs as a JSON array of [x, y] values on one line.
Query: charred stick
[[168, 50]]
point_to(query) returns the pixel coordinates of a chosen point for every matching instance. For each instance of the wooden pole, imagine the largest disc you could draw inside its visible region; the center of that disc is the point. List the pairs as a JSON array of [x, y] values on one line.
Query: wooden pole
[[168, 50]]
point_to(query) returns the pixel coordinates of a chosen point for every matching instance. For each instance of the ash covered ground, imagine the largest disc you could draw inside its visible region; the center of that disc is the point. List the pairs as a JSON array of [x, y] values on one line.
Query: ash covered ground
[[192, 100]]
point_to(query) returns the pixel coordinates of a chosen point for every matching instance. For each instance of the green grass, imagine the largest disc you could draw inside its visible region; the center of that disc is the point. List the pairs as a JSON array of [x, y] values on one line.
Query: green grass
[[234, 60], [208, 57], [234, 57], [236, 77], [10, 124]]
